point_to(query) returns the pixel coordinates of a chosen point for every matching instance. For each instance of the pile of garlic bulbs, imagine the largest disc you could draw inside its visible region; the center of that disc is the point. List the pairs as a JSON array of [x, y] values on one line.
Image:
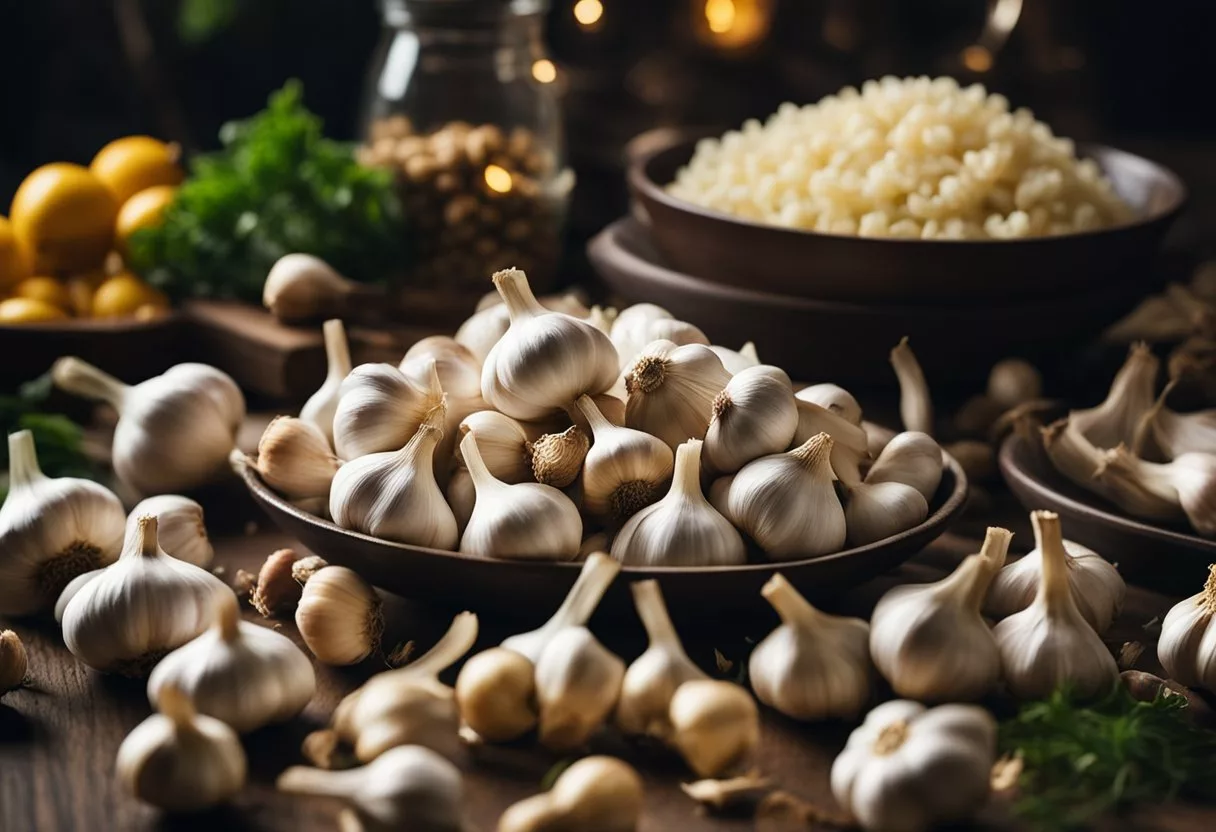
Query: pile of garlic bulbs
[[539, 434]]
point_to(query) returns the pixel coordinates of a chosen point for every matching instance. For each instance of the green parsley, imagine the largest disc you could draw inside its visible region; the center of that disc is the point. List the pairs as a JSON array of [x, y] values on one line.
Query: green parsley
[[57, 438]]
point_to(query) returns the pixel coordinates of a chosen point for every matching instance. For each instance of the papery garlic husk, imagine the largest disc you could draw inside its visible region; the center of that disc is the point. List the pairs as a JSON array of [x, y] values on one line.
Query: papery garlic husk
[[394, 496], [787, 503], [407, 788], [304, 568], [930, 641], [1185, 648], [715, 726], [277, 591], [653, 677], [1097, 588], [180, 527], [672, 390], [503, 443], [625, 470], [294, 458], [1050, 643], [526, 521], [631, 329], [242, 674], [51, 531], [876, 511], [321, 406], [735, 362], [380, 409], [461, 495], [1168, 434], [912, 458], [179, 760], [915, 403], [851, 443], [557, 458], [141, 607], [301, 287], [595, 794], [682, 529], [339, 616], [593, 581], [1013, 381], [754, 416], [814, 666], [545, 360], [578, 681], [174, 432], [1188, 480], [14, 662], [1115, 420], [835, 398]]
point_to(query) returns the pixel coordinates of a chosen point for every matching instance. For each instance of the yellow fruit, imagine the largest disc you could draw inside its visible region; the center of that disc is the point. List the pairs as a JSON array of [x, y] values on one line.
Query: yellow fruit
[[143, 210], [64, 218], [123, 294], [46, 289], [28, 311], [134, 163], [80, 291], [13, 267]]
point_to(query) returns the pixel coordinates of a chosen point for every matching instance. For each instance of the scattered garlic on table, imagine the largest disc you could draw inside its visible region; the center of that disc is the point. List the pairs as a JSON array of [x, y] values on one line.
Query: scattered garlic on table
[[850, 446], [380, 409], [339, 616], [408, 787], [682, 529], [915, 404], [625, 469], [929, 640], [911, 769], [1185, 648], [503, 443], [180, 527], [631, 330], [141, 607], [814, 665], [737, 361], [593, 580], [243, 675], [277, 591], [1050, 643], [754, 416], [1169, 434], [911, 458], [595, 794], [557, 458], [652, 679], [294, 458], [578, 682], [321, 406], [301, 287], [51, 530], [715, 726], [1188, 480], [14, 662], [174, 430], [835, 398], [1013, 381], [179, 760], [1095, 583], [672, 389]]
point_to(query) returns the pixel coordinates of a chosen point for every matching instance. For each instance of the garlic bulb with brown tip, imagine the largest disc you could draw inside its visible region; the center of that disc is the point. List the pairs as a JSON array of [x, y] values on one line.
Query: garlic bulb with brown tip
[[915, 404], [557, 458], [715, 726], [595, 794], [578, 681], [321, 406], [672, 389], [179, 527], [1185, 646], [912, 458], [624, 470], [754, 416], [381, 407], [682, 529], [294, 458], [339, 616], [835, 398], [736, 361]]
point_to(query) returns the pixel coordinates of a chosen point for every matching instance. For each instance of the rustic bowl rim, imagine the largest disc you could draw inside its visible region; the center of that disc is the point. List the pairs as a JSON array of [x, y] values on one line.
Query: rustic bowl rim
[[99, 326]]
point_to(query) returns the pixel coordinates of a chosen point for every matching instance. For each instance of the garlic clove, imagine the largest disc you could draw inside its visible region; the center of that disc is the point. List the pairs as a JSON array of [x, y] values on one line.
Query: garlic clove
[[911, 458], [496, 694], [850, 443], [1170, 434], [877, 438], [715, 726], [380, 409], [557, 458], [1186, 647], [461, 496], [625, 470], [631, 330], [301, 287], [483, 330], [595, 794], [754, 416], [14, 663], [592, 582], [876, 511], [458, 369], [277, 591], [321, 406], [672, 389], [834, 398], [180, 527], [1131, 395], [503, 443], [915, 403], [578, 681], [735, 362], [1013, 381], [1188, 480], [339, 616], [295, 460]]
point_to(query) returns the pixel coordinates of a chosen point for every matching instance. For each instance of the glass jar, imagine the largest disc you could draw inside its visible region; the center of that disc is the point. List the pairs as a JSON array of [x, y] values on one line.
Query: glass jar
[[462, 103]]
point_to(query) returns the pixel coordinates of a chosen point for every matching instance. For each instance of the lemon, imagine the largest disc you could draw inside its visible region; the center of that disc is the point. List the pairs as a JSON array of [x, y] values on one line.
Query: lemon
[[63, 217], [46, 289], [28, 311], [135, 163], [12, 259], [143, 210], [123, 295]]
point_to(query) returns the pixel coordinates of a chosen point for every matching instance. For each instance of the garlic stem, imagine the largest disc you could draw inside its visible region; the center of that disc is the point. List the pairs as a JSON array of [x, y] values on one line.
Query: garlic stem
[[687, 476], [576, 608], [482, 478], [1049, 540], [22, 459], [915, 405], [146, 532], [1144, 427], [457, 641], [512, 284], [85, 380], [789, 603], [648, 599], [337, 350], [969, 581], [596, 420], [173, 703], [995, 549], [318, 782], [228, 619]]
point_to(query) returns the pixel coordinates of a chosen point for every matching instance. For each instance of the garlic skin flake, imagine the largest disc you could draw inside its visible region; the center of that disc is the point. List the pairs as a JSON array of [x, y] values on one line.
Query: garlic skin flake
[[1187, 645], [835, 398], [180, 527], [814, 666], [754, 416], [321, 406], [595, 794], [243, 675], [625, 469], [672, 389], [380, 409], [339, 616], [294, 458], [51, 531], [715, 726], [911, 769]]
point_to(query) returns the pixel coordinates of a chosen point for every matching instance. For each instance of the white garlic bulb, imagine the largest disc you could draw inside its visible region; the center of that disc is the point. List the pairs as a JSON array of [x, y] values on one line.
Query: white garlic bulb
[[851, 444], [526, 520], [381, 407], [503, 443], [339, 616], [625, 469], [1185, 647], [174, 431], [593, 580], [877, 438], [715, 726], [1049, 643], [835, 398], [911, 458], [876, 511], [578, 681], [814, 666], [242, 674], [321, 406], [682, 529], [545, 360], [294, 458], [1169, 434], [140, 607], [301, 287], [915, 403], [632, 327], [1188, 480], [652, 679], [179, 760], [51, 531], [1131, 396], [595, 794], [458, 369], [1013, 381], [672, 389], [735, 362], [754, 416], [1095, 583], [483, 329], [929, 640], [179, 527], [786, 502]]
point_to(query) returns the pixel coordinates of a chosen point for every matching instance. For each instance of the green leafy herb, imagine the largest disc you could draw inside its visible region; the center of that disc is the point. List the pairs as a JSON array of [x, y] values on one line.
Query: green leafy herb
[[278, 186], [57, 437], [1082, 760]]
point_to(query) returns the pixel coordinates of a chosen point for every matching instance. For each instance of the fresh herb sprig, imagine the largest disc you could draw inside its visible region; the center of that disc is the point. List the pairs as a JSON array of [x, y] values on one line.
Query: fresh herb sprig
[[57, 438], [1081, 760]]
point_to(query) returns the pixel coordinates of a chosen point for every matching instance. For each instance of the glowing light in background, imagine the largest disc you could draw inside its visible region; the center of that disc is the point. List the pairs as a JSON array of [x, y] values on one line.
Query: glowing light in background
[[588, 12], [977, 58], [544, 71], [498, 179], [732, 25], [720, 15]]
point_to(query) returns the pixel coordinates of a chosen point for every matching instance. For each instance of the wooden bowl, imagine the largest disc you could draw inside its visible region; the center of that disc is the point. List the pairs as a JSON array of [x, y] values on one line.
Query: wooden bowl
[[1168, 560], [533, 590], [129, 349], [734, 252]]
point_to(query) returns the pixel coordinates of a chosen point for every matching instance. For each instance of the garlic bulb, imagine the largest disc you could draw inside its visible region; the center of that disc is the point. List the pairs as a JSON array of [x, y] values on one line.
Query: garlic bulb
[[526, 520], [1014, 381], [301, 287], [140, 608], [1097, 588], [682, 529], [814, 666], [483, 330], [877, 438], [631, 329], [834, 398], [294, 458], [1131, 395], [277, 591], [180, 527], [1169, 434], [458, 369], [672, 389], [1185, 646], [461, 495], [786, 502], [678, 332], [929, 640], [503, 443], [242, 674], [596, 794], [51, 530], [1049, 643], [593, 581], [915, 404], [174, 431], [394, 496], [625, 469], [339, 616], [715, 726], [912, 769], [408, 788], [735, 362], [652, 679], [578, 681], [557, 458], [381, 407], [69, 592], [753, 416], [14, 663], [876, 511], [321, 406], [1188, 480], [850, 443], [545, 360], [911, 458]]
